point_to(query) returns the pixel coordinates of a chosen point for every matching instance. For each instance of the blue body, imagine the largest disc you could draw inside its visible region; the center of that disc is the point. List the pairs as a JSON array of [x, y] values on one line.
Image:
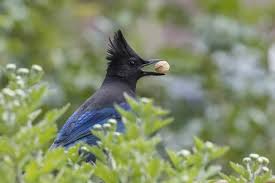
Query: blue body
[[78, 127]]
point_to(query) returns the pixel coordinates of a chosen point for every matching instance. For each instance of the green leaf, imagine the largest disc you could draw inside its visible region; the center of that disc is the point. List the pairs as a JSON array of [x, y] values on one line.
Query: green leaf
[[105, 173], [198, 144], [54, 159], [239, 169], [52, 115]]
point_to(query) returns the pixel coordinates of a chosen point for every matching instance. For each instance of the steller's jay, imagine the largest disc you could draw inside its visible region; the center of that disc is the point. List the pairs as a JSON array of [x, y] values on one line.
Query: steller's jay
[[123, 72]]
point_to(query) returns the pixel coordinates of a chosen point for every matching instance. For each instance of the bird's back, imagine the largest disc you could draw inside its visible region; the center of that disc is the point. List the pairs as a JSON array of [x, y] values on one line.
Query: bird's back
[[98, 109]]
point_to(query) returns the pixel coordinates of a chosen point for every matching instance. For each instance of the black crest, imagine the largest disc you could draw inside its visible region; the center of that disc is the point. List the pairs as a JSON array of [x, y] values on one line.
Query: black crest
[[119, 48]]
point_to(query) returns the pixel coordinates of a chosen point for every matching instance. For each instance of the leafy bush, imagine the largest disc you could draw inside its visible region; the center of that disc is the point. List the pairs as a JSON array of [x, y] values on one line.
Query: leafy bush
[[218, 51], [26, 132]]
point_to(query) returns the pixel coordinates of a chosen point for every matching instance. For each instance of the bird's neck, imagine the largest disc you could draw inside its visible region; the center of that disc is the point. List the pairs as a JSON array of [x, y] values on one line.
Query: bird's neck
[[121, 84]]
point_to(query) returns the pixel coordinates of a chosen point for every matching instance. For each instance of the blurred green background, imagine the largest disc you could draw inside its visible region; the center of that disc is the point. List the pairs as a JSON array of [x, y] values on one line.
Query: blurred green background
[[222, 55]]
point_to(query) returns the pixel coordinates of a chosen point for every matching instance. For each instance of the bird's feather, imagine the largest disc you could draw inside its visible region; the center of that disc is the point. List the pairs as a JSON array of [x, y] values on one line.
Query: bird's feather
[[78, 127], [118, 48]]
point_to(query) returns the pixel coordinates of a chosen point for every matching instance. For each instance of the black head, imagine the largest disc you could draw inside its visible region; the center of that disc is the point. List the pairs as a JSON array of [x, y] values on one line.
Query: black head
[[124, 62]]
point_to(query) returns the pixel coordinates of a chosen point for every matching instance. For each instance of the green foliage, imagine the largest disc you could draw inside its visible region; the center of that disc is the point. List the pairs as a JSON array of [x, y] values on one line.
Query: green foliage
[[135, 152], [27, 131], [254, 170]]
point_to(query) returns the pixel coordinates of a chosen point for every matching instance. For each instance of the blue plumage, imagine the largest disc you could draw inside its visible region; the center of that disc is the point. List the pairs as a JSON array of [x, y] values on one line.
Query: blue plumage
[[78, 126]]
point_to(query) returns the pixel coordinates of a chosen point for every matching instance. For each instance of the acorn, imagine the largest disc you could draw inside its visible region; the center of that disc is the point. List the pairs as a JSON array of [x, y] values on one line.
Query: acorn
[[162, 67]]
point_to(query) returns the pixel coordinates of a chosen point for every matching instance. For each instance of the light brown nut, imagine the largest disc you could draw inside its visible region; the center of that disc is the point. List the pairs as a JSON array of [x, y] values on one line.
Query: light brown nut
[[162, 67]]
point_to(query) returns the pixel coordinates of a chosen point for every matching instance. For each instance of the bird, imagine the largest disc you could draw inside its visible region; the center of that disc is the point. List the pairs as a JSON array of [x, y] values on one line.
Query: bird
[[124, 69]]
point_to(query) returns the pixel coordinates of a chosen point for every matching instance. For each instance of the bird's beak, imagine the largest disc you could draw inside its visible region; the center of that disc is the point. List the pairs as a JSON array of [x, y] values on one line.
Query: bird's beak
[[150, 62]]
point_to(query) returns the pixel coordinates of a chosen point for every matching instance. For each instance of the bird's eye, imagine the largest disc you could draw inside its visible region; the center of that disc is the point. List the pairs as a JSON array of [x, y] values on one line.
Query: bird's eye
[[131, 62]]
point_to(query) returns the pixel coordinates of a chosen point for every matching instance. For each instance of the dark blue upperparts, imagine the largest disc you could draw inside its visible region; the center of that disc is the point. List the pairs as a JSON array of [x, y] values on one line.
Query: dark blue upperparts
[[78, 126]]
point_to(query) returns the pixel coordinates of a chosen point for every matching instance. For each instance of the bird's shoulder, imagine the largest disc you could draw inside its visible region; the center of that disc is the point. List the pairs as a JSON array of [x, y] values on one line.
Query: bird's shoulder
[[80, 123], [97, 109], [106, 96]]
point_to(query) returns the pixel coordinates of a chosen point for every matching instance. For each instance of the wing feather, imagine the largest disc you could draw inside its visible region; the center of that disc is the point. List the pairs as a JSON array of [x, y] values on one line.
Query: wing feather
[[78, 127]]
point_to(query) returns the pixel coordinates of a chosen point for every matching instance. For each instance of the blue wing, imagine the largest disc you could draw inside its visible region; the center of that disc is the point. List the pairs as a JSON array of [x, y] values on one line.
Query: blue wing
[[78, 126]]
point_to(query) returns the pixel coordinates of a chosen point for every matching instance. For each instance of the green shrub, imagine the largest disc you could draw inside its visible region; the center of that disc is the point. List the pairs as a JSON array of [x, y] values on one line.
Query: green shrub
[[26, 132]]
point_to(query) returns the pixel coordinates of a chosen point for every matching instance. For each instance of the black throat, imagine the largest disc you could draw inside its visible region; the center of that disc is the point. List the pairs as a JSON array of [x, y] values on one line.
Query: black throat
[[121, 84]]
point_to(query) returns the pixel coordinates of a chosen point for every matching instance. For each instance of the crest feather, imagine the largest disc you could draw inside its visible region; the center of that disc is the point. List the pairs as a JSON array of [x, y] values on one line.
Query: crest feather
[[119, 48]]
